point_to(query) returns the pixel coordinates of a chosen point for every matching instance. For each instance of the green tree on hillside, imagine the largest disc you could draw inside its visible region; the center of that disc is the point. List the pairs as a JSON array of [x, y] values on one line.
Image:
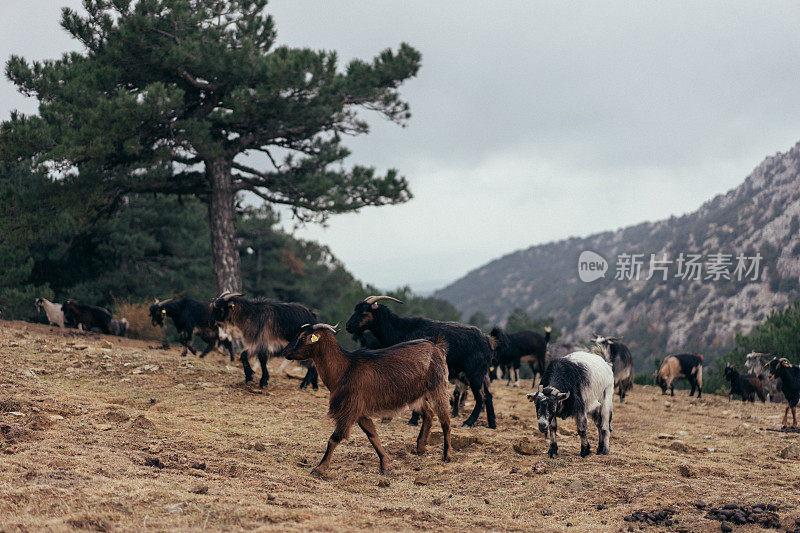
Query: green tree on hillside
[[193, 97], [519, 320]]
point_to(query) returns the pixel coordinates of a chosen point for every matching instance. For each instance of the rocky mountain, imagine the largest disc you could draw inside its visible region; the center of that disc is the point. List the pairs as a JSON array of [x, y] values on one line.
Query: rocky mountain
[[713, 273]]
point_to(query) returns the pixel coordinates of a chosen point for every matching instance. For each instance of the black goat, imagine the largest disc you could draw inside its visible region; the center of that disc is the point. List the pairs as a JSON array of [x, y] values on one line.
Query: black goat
[[513, 348], [86, 317], [789, 375], [190, 318], [266, 327], [469, 351], [748, 386]]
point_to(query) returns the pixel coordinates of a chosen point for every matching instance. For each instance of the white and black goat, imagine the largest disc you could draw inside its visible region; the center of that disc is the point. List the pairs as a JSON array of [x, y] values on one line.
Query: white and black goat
[[580, 385], [55, 315], [619, 357]]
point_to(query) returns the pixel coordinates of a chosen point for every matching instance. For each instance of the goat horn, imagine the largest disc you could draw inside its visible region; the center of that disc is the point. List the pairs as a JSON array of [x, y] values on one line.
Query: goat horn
[[227, 295], [595, 334], [614, 338], [541, 388], [155, 301], [327, 326], [373, 299]]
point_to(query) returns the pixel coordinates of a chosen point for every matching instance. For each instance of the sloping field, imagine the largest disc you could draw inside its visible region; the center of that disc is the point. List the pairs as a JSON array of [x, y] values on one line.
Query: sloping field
[[102, 433]]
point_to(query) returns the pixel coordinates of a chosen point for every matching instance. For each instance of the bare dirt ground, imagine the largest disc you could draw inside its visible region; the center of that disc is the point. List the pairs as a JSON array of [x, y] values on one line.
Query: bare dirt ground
[[102, 433]]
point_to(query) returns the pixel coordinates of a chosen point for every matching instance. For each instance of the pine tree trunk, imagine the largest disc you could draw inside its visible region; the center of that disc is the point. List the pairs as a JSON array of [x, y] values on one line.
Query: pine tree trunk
[[222, 218]]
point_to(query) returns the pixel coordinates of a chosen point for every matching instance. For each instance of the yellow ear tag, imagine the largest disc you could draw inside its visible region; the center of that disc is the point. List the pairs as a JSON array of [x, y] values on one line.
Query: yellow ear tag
[[313, 338], [233, 305], [163, 311], [375, 305]]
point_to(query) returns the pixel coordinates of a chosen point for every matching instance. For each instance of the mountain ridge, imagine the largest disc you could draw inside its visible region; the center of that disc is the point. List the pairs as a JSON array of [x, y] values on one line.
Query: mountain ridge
[[761, 216]]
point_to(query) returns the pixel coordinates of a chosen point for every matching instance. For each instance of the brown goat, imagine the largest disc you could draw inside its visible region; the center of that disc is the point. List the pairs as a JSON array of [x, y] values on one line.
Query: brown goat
[[368, 383]]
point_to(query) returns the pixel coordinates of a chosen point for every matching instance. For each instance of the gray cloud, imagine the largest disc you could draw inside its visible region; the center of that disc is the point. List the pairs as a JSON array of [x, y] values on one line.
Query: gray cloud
[[534, 121]]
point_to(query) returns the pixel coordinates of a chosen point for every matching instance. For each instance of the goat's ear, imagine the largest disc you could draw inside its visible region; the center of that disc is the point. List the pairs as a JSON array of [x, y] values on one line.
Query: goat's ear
[[563, 396]]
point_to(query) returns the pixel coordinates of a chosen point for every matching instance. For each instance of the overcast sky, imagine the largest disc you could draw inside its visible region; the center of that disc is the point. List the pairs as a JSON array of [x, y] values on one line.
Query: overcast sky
[[532, 121]]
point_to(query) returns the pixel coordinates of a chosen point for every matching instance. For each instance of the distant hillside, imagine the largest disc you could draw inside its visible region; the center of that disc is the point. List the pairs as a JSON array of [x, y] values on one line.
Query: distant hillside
[[761, 216]]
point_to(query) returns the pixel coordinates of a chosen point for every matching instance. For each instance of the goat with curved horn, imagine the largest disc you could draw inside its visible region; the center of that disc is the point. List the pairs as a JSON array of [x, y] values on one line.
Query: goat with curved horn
[[327, 326], [373, 299]]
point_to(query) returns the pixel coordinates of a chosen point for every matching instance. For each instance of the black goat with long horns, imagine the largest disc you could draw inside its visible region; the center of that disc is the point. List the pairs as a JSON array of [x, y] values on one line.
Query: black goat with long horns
[[469, 351]]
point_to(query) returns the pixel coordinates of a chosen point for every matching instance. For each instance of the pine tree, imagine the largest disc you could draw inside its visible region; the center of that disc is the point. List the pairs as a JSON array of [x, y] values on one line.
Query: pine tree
[[193, 97]]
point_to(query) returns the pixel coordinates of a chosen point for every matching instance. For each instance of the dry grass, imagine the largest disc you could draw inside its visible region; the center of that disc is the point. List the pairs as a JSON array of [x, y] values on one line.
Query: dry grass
[[139, 324], [93, 437]]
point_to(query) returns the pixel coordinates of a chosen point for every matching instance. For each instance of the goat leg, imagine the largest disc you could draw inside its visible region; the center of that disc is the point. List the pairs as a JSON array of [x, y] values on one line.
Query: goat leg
[[582, 423], [414, 420], [262, 359], [368, 426], [210, 346], [553, 451], [440, 406], [425, 430], [248, 370], [487, 398], [339, 433], [475, 386]]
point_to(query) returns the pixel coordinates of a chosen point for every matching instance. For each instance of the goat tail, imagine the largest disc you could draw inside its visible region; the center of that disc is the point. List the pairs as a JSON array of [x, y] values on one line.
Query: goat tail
[[700, 356], [441, 343]]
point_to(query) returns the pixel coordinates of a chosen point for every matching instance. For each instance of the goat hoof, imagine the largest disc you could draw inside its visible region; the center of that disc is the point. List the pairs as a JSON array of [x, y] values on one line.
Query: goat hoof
[[318, 473], [586, 452], [262, 383], [248, 379], [468, 423], [492, 425]]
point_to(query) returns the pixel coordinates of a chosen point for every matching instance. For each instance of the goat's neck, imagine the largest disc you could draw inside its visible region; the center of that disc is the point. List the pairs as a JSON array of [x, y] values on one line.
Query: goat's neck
[[387, 328], [331, 365]]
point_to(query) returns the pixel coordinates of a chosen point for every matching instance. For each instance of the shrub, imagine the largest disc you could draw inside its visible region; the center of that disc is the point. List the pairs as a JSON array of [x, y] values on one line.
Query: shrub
[[138, 316]]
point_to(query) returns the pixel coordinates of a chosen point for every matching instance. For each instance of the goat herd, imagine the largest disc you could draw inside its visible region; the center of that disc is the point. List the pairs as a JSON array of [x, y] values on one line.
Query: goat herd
[[408, 362]]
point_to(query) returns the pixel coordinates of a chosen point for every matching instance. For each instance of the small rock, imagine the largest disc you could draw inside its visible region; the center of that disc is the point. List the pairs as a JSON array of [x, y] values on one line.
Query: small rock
[[56, 417], [16, 413], [175, 508], [666, 436], [199, 489], [486, 501], [540, 468], [30, 374], [459, 442], [421, 481], [384, 483], [259, 446], [524, 447], [685, 471], [153, 461], [726, 526], [80, 346], [792, 451], [103, 427], [678, 446], [106, 344], [700, 504], [198, 466]]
